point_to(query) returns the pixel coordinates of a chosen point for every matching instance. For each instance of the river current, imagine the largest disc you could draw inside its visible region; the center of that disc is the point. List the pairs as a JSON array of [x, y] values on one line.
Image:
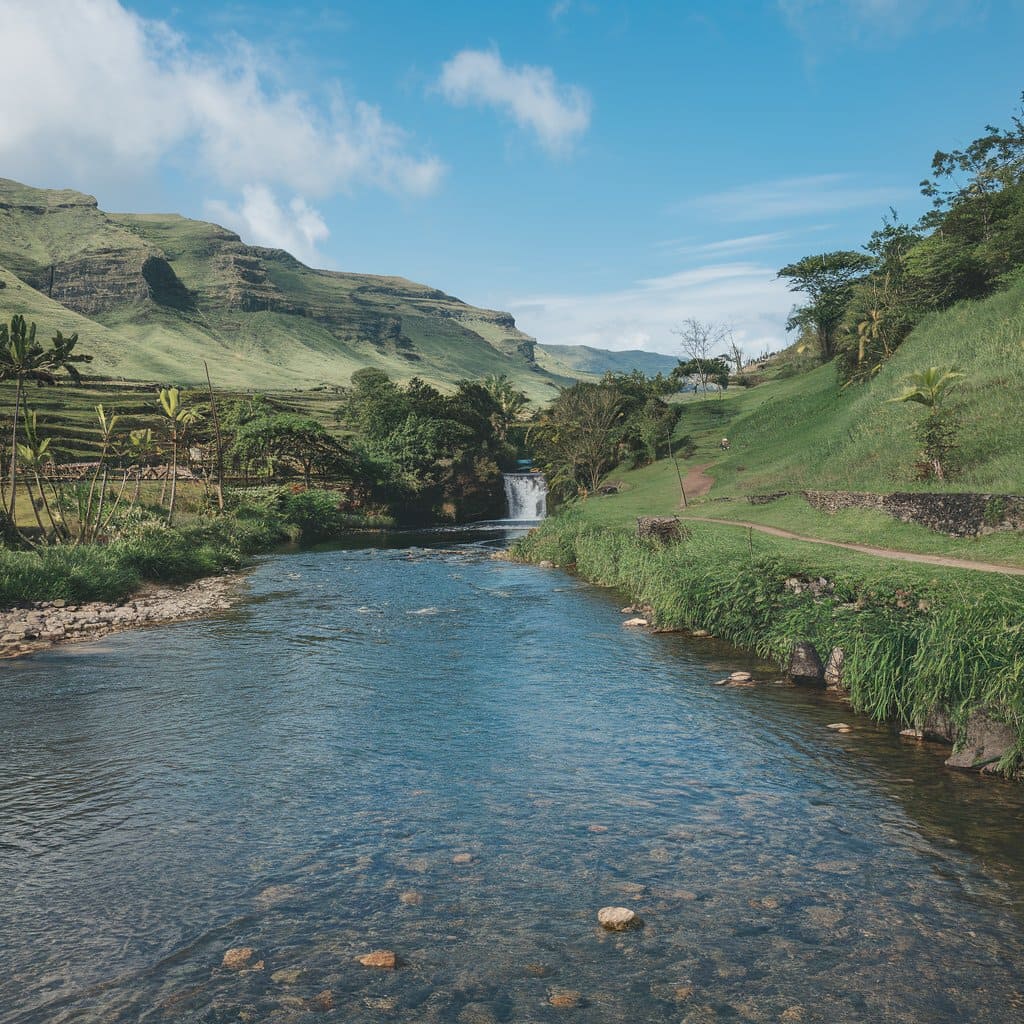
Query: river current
[[462, 760]]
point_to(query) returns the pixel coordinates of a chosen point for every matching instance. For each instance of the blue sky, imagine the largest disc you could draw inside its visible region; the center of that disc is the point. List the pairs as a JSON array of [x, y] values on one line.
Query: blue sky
[[603, 170]]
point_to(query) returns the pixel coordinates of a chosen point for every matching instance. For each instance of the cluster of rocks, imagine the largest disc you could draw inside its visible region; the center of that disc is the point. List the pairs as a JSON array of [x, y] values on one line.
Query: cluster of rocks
[[24, 630]]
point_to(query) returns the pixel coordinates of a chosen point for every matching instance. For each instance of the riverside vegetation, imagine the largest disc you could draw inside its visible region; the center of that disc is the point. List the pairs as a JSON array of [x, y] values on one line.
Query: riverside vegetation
[[908, 374], [188, 484]]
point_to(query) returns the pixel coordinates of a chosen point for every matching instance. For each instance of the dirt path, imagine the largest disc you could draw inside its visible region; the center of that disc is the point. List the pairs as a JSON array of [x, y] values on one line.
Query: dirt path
[[697, 483], [864, 549]]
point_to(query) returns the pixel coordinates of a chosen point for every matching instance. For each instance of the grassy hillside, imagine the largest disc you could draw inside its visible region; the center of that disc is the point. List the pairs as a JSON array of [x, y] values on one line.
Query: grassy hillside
[[152, 295], [584, 361], [805, 432]]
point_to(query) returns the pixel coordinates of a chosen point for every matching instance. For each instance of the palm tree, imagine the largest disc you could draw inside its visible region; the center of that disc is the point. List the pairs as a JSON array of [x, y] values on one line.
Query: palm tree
[[22, 358], [509, 401], [930, 388]]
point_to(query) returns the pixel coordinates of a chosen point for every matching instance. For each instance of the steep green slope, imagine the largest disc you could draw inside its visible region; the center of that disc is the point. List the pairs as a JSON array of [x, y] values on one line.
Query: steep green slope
[[156, 294], [809, 433], [584, 361]]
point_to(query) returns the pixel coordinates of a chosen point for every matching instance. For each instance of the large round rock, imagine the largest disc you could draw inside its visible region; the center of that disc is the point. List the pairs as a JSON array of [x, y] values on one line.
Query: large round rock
[[618, 919]]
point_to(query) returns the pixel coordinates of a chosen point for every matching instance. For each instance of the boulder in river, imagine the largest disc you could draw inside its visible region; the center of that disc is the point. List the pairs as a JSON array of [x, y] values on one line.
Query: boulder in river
[[635, 622], [834, 669], [805, 667], [619, 919], [984, 741]]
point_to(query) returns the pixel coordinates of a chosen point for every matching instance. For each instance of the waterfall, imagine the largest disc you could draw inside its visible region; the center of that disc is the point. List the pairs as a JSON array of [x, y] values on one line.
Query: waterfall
[[526, 495]]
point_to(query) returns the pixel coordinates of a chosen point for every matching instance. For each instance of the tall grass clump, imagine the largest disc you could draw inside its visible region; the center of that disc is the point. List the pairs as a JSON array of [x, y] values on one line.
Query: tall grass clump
[[913, 640]]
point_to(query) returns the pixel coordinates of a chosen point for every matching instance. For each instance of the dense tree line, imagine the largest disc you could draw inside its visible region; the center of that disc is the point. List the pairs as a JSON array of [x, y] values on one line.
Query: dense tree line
[[860, 305]]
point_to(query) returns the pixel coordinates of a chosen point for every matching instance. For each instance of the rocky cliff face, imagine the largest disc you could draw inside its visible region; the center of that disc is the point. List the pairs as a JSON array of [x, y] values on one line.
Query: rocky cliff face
[[140, 273]]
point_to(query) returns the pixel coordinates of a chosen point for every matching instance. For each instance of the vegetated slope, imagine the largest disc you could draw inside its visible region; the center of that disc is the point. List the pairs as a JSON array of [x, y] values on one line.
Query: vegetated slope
[[156, 294], [584, 361], [807, 433]]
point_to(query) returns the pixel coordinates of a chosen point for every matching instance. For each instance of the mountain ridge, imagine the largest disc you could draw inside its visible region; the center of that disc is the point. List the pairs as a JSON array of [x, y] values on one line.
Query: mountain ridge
[[154, 294]]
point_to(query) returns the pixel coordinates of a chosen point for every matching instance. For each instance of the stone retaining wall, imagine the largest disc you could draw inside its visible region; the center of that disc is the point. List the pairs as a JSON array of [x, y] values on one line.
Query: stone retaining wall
[[958, 515]]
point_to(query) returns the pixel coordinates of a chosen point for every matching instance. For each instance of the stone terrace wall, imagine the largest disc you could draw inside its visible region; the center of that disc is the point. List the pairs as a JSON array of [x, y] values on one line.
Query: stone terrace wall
[[958, 515]]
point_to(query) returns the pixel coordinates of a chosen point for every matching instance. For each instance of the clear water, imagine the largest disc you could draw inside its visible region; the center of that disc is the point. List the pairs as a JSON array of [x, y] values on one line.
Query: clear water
[[280, 776]]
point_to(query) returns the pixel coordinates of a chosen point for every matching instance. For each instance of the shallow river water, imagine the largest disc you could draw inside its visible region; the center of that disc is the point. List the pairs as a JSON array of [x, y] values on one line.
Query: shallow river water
[[301, 774]]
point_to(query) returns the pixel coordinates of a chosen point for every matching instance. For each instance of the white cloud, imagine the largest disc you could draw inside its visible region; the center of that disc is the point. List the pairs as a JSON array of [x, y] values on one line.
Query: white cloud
[[532, 96], [745, 295], [261, 219], [791, 197], [99, 91]]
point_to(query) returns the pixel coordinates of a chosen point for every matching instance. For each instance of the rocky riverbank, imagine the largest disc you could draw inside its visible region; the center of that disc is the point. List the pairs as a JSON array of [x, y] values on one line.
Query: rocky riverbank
[[26, 630]]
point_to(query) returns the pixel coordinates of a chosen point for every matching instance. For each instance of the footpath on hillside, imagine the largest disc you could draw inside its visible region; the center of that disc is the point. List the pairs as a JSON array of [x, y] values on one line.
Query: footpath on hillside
[[697, 483]]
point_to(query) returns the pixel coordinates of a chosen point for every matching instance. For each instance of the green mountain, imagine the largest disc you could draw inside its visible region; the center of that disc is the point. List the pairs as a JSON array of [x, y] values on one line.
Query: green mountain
[[153, 295], [584, 361]]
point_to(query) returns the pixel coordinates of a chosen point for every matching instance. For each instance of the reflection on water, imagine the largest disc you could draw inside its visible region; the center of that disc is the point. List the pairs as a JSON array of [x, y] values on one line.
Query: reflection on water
[[299, 776]]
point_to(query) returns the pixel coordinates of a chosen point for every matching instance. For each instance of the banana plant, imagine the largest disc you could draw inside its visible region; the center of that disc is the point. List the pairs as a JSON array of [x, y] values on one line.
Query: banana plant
[[91, 516], [178, 421], [34, 453]]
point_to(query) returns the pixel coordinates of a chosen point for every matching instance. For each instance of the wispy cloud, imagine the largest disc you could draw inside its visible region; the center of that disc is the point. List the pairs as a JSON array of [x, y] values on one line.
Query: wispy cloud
[[531, 96], [108, 96], [875, 22], [746, 295], [725, 246], [261, 219], [790, 197]]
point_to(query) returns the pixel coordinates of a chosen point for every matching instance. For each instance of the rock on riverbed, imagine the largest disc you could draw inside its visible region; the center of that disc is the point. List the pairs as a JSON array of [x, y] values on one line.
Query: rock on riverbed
[[24, 630]]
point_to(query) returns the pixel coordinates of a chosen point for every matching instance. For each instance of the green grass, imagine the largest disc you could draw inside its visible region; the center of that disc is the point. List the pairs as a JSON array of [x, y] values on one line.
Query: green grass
[[915, 637]]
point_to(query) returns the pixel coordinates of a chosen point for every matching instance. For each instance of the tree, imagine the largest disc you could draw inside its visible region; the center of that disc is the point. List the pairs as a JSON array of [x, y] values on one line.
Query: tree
[[22, 359], [827, 281], [287, 439], [930, 388], [579, 436], [509, 401], [698, 339]]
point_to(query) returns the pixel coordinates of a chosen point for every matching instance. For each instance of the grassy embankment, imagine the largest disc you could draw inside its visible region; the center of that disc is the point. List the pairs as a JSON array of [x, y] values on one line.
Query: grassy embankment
[[199, 544], [915, 636]]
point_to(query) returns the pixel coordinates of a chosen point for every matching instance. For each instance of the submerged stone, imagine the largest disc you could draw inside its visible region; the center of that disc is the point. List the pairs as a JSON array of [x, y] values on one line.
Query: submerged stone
[[618, 919], [237, 957], [385, 959]]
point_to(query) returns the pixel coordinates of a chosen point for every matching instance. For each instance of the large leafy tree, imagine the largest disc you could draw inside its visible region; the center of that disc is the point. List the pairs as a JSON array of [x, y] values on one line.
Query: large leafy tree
[[827, 281], [578, 438], [287, 440]]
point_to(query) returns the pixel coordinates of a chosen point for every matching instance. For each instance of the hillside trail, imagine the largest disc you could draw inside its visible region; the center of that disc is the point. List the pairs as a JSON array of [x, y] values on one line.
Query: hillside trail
[[697, 483]]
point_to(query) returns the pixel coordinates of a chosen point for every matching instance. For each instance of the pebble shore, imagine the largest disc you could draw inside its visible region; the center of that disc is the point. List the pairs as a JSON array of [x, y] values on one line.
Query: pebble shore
[[46, 623]]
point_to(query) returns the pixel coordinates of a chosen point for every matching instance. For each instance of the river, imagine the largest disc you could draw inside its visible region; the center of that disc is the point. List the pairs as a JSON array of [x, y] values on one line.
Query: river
[[462, 760]]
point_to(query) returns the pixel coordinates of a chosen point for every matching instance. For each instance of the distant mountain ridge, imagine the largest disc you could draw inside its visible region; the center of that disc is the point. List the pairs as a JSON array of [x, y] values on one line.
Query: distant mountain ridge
[[153, 295], [573, 360]]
